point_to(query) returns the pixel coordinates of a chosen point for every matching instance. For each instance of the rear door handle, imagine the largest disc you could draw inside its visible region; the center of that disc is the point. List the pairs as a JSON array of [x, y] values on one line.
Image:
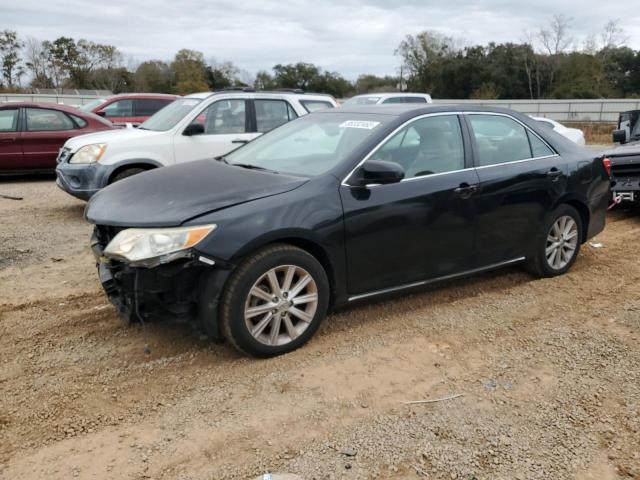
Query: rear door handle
[[554, 173], [465, 190], [8, 140], [239, 140]]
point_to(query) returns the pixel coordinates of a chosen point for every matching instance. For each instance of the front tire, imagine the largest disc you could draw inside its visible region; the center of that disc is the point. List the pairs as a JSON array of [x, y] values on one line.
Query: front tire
[[557, 247], [129, 172], [274, 301]]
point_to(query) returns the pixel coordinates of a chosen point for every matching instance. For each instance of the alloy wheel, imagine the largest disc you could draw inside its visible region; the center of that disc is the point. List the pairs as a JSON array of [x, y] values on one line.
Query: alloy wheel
[[281, 305], [562, 241]]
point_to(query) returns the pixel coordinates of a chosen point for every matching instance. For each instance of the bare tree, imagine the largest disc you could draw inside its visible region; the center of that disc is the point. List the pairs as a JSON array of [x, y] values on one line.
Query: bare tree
[[590, 44], [36, 61], [556, 39], [613, 35], [531, 64]]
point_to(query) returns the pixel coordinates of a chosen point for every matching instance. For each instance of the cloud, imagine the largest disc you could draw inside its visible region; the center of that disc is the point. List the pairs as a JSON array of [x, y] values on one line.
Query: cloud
[[348, 36]]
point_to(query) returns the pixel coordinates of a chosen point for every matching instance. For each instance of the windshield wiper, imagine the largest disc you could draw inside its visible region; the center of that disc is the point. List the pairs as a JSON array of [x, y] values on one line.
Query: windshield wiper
[[253, 167]]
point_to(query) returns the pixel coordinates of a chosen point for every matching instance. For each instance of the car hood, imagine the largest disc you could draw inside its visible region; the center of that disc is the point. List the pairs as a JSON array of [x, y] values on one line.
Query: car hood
[[107, 136], [631, 148], [169, 196]]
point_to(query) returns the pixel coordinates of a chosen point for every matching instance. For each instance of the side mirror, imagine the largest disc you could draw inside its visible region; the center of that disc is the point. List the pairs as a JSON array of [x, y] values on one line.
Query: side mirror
[[194, 129], [620, 136], [101, 113], [377, 172]]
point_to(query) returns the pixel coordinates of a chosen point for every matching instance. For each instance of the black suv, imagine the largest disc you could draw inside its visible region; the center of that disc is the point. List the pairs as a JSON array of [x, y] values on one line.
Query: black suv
[[340, 206]]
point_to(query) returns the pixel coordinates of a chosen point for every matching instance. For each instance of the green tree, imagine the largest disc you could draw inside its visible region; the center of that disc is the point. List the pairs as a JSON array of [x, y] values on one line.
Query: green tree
[[621, 66], [310, 78], [264, 81], [72, 64], [580, 76], [61, 55], [372, 83], [299, 75], [153, 76], [10, 62], [423, 57], [189, 71], [223, 75]]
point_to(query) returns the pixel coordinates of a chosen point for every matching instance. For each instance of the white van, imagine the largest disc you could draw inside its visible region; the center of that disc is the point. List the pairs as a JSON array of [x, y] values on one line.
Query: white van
[[387, 98], [202, 125]]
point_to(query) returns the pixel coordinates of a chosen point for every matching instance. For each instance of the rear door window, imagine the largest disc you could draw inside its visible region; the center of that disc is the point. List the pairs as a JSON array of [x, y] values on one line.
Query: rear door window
[[272, 113], [426, 146], [44, 120], [145, 107], [414, 100], [499, 139], [121, 108], [9, 120], [224, 117]]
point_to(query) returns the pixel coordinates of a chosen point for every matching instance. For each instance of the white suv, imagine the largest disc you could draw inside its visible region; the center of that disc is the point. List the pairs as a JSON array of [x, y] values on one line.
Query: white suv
[[202, 125], [386, 98]]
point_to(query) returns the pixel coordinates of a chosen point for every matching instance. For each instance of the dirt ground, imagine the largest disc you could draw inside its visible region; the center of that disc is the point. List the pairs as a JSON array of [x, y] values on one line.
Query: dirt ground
[[548, 370]]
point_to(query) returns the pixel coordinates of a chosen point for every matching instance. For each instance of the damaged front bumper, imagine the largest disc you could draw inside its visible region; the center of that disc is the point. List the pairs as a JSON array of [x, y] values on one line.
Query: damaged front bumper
[[185, 291]]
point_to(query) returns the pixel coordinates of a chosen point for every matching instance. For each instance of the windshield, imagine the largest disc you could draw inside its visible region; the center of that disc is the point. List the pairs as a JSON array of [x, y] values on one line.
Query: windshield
[[363, 100], [169, 116], [311, 145], [88, 107]]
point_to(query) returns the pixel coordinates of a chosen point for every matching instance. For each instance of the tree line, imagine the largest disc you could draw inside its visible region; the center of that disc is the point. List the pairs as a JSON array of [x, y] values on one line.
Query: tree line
[[546, 63]]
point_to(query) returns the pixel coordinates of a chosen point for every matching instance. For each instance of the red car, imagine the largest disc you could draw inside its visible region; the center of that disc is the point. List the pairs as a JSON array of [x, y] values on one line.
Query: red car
[[32, 133], [132, 108]]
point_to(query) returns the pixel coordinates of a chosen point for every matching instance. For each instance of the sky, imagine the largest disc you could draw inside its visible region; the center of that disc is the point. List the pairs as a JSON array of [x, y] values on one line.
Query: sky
[[347, 36]]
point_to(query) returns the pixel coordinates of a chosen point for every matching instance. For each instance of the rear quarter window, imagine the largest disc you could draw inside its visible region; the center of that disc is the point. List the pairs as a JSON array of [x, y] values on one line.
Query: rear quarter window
[[80, 122], [315, 105], [148, 106]]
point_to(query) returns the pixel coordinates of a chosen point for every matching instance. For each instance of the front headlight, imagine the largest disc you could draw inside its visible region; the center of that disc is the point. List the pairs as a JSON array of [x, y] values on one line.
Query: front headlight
[[89, 153], [149, 247]]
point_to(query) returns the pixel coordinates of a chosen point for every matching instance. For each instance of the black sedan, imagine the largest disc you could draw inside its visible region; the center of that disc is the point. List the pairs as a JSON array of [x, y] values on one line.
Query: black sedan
[[340, 206]]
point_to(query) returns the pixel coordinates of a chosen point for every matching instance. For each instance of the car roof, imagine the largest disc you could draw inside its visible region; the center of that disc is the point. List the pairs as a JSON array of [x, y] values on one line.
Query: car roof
[[265, 93], [140, 95], [409, 110], [53, 106], [392, 94]]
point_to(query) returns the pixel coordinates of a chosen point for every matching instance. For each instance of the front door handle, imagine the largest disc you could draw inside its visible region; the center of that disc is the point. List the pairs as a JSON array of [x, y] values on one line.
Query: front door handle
[[465, 190], [239, 140], [554, 173], [7, 140]]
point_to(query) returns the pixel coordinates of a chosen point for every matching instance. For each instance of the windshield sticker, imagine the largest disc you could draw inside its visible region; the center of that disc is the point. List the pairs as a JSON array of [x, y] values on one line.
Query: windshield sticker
[[367, 125]]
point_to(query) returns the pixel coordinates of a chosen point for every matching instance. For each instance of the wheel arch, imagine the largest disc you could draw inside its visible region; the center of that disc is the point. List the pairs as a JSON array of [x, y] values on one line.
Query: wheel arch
[[300, 240], [144, 163], [582, 209]]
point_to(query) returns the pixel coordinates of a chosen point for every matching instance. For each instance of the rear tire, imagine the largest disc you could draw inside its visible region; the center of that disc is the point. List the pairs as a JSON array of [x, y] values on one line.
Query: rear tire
[[275, 301], [558, 245], [129, 172]]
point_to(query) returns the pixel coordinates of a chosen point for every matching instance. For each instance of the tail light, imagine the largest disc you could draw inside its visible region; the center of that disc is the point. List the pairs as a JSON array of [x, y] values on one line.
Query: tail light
[[606, 162]]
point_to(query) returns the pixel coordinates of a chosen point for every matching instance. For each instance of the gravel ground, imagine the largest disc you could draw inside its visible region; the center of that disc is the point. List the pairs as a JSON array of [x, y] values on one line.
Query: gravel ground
[[548, 372]]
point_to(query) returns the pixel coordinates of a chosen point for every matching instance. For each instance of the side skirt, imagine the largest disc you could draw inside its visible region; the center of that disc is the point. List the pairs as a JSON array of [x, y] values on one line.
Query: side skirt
[[437, 279]]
